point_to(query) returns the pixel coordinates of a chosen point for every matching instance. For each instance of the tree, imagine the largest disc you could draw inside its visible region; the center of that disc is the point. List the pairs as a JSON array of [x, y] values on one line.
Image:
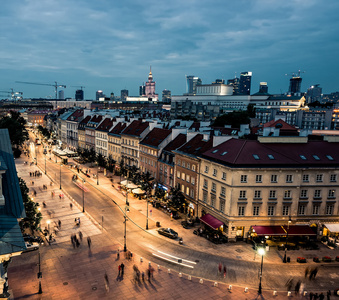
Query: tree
[[159, 193], [101, 160], [44, 131], [91, 156], [251, 110], [33, 216], [16, 128], [147, 182], [177, 198], [235, 119]]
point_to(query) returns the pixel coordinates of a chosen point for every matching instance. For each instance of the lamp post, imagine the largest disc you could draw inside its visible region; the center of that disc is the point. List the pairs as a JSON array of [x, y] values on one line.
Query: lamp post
[[98, 174], [127, 190], [147, 212], [125, 216], [40, 273], [288, 228], [45, 163], [60, 173], [261, 252], [83, 195]]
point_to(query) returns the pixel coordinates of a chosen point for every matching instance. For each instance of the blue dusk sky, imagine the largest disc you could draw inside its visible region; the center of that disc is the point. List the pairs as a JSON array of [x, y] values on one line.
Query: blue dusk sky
[[109, 45]]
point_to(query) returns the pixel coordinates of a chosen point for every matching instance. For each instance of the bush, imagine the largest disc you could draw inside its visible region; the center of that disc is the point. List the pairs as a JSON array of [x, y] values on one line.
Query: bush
[[316, 259], [327, 259], [301, 260]]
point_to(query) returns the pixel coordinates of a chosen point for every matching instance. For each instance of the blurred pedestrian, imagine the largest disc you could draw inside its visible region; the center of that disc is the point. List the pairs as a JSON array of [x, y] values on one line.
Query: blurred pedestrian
[[224, 271], [297, 287], [122, 269], [89, 242], [119, 269], [321, 296], [306, 271], [80, 235], [71, 206], [329, 295], [118, 254], [219, 268], [59, 223], [106, 282]]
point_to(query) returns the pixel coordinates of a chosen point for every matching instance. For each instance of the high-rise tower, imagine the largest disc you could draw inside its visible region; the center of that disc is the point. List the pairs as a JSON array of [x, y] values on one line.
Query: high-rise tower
[[150, 86], [191, 84], [245, 83]]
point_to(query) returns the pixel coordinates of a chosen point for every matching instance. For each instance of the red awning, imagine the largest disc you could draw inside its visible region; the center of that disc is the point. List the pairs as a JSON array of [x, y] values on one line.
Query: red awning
[[211, 221], [268, 230], [299, 230]]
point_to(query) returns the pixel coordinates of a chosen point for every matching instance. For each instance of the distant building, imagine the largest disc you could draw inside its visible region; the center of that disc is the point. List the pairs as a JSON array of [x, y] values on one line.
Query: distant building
[[123, 95], [99, 94], [333, 97], [150, 88], [79, 95], [245, 83], [263, 88], [235, 83], [61, 95], [295, 85], [191, 84], [142, 91], [166, 96], [313, 93]]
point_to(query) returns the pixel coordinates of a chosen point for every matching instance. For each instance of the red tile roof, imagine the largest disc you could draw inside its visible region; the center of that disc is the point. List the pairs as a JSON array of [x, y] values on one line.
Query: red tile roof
[[83, 123], [196, 145], [118, 128], [136, 128], [249, 152], [76, 116], [106, 124], [176, 143], [279, 124], [155, 137]]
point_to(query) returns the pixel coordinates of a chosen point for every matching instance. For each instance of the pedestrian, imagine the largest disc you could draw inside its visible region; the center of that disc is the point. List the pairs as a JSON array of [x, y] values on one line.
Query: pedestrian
[[119, 269], [316, 296], [71, 206], [80, 236], [106, 282], [329, 295], [224, 271], [118, 254], [77, 242], [321, 296], [311, 296], [73, 241], [219, 268], [143, 276], [122, 269], [44, 204], [289, 284], [59, 223], [297, 287], [89, 242], [306, 272], [315, 271], [149, 274]]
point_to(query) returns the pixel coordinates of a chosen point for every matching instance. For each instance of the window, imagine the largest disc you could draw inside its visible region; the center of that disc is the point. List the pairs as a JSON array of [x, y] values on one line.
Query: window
[[303, 194], [215, 172], [193, 167], [222, 205], [306, 178], [286, 210], [188, 166], [258, 178], [179, 162], [256, 157], [315, 210], [183, 176], [289, 178], [178, 174], [204, 196], [270, 156], [182, 188], [243, 178], [316, 157], [331, 194], [241, 210], [301, 209], [193, 180], [223, 191], [329, 157], [333, 178], [214, 187], [188, 178], [183, 164], [257, 194], [270, 210], [317, 194], [212, 200], [223, 176], [255, 210], [242, 195], [205, 184], [329, 209], [302, 157], [187, 190], [273, 195], [274, 178], [287, 195], [206, 169], [319, 178]]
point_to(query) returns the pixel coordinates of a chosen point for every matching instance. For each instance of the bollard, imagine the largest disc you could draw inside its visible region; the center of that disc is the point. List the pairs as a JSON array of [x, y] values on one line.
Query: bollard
[[215, 284], [189, 277], [246, 289], [274, 293], [158, 267], [289, 294], [180, 274], [201, 281], [169, 271], [230, 287], [140, 259]]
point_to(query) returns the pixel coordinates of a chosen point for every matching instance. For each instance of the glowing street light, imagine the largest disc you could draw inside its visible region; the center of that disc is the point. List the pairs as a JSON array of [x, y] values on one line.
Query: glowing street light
[[261, 251]]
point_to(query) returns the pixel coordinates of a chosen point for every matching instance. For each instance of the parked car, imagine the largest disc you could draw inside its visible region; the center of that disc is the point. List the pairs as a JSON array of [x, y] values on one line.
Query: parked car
[[31, 239], [168, 232], [31, 246]]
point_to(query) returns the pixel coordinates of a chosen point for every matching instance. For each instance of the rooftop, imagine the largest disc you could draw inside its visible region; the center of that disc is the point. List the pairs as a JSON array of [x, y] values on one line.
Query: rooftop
[[155, 137]]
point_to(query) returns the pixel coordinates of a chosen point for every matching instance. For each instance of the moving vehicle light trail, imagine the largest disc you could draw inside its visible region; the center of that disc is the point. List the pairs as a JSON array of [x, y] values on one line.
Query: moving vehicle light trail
[[178, 261]]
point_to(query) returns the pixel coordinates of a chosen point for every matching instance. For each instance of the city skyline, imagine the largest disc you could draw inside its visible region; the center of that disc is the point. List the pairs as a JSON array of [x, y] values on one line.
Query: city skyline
[[110, 47]]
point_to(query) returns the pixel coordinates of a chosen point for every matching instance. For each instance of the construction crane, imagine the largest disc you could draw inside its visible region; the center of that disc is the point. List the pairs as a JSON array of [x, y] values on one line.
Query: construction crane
[[56, 85], [295, 74], [80, 86], [12, 93]]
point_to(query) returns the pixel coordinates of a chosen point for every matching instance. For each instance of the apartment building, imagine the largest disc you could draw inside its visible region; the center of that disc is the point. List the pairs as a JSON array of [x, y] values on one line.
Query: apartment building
[[90, 129], [81, 132], [114, 141], [101, 136]]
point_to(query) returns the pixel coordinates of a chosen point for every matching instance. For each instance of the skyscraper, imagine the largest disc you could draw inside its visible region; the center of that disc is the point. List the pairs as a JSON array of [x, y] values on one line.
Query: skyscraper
[[245, 83], [295, 85], [263, 88], [235, 83], [150, 86], [124, 95], [314, 93], [99, 94], [79, 95], [61, 95], [166, 96], [142, 90], [191, 84]]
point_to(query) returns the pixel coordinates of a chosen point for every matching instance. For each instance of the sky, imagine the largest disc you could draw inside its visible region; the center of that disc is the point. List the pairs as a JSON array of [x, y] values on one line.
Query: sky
[[110, 45]]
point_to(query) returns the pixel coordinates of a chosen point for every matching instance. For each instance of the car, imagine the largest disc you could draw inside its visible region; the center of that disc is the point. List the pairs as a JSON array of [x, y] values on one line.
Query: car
[[31, 246], [168, 232], [31, 239]]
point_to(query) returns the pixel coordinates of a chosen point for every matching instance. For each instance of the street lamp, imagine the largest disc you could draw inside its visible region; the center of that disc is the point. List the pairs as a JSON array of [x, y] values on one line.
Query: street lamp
[[40, 273], [83, 196], [147, 212], [125, 216], [261, 252], [288, 228], [98, 174], [60, 173], [45, 163]]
